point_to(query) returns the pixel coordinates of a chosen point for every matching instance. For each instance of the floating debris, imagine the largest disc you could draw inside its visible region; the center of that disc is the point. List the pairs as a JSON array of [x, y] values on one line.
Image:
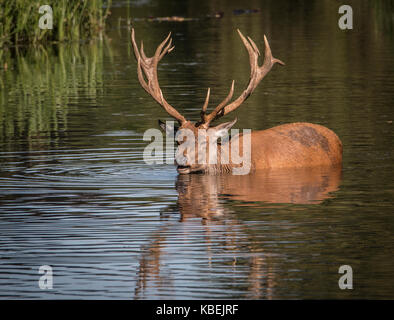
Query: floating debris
[[215, 15], [245, 11], [173, 18]]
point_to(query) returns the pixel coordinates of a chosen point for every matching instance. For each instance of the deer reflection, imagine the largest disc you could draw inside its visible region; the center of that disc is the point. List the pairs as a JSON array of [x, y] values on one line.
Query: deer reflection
[[205, 197], [149, 266], [203, 194]]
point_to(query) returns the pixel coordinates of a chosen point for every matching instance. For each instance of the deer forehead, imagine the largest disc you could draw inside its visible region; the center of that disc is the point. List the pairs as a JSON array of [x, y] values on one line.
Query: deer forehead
[[197, 133]]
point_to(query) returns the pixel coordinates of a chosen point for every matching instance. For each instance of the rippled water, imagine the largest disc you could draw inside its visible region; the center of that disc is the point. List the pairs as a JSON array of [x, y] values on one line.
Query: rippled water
[[76, 194]]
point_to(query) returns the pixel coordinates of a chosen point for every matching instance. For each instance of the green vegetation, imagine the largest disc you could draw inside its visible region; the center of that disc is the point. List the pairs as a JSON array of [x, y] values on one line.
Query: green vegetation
[[72, 20], [35, 100], [41, 84]]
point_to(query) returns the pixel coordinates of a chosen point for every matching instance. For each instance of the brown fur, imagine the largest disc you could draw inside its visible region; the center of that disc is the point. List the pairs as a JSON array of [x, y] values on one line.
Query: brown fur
[[294, 145], [291, 145]]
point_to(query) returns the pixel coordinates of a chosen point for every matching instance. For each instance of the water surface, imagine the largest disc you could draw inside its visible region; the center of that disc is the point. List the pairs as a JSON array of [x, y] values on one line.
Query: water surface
[[76, 194]]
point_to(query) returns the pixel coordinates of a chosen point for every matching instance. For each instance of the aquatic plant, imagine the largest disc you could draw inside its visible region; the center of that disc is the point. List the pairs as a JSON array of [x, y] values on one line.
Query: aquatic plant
[[41, 84], [72, 20]]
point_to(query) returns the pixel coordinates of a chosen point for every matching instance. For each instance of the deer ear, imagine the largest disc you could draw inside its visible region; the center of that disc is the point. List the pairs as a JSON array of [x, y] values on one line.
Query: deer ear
[[168, 127], [221, 129]]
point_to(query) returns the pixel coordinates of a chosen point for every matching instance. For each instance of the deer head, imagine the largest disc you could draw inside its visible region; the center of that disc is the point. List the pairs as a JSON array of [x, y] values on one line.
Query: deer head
[[147, 76]]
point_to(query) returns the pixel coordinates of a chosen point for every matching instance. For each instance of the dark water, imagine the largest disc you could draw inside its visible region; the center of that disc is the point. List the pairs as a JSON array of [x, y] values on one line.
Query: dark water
[[76, 194]]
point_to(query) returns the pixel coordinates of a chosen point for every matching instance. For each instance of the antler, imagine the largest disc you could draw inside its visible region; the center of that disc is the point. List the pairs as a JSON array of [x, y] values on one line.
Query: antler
[[256, 75], [148, 67]]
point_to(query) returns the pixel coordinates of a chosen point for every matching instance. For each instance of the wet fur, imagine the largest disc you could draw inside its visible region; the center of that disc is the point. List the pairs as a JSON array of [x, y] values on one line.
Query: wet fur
[[291, 145]]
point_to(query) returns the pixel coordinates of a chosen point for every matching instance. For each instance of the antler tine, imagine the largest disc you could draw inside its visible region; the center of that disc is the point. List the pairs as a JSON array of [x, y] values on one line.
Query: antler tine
[[204, 107], [148, 67], [142, 51], [166, 50], [227, 99], [253, 54], [256, 75], [135, 47], [256, 49], [269, 60], [159, 54], [141, 76], [207, 119]]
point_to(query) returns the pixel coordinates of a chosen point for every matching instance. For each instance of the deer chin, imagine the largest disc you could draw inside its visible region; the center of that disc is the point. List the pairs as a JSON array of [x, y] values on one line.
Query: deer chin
[[190, 169]]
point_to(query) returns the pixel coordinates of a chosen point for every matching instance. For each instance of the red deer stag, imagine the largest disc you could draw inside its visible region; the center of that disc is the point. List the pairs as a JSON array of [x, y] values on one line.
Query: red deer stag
[[285, 146]]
